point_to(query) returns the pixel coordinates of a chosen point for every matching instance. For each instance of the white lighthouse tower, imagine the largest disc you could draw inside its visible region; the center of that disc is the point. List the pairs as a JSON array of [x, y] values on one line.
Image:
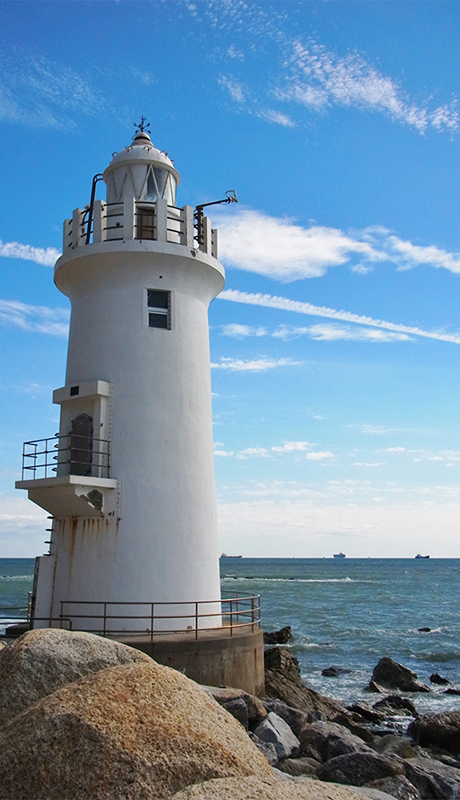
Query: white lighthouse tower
[[129, 479]]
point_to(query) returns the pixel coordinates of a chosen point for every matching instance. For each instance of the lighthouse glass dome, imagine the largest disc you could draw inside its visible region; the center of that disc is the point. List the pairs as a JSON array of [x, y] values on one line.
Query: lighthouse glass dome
[[142, 172]]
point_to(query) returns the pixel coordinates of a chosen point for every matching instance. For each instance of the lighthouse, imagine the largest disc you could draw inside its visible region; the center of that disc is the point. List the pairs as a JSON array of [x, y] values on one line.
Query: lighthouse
[[128, 480]]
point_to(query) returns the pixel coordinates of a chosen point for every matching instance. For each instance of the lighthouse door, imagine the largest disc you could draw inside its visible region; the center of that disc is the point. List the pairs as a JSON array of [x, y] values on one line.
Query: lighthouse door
[[81, 445]]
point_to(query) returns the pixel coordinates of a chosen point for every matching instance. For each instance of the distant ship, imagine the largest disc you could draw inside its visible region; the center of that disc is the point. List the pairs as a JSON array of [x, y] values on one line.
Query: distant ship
[[419, 556], [339, 555], [224, 555]]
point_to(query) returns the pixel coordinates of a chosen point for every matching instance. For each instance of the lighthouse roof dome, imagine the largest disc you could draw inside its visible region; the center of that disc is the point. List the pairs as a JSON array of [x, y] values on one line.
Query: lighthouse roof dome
[[142, 150]]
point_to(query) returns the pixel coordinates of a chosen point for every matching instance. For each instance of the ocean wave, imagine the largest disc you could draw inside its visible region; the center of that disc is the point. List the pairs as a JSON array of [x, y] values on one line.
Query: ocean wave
[[16, 577], [290, 580], [437, 658]]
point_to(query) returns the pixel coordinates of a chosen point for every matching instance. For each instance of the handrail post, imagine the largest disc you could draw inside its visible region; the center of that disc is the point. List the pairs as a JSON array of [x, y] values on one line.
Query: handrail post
[[105, 618], [60, 615], [252, 614], [196, 620], [151, 621], [231, 617]]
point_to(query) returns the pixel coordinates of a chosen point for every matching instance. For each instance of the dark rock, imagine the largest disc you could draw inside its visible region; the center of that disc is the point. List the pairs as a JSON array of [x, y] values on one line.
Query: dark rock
[[295, 719], [283, 636], [441, 729], [436, 678], [283, 681], [392, 744], [266, 748], [334, 672], [398, 787], [432, 779], [299, 766], [393, 675], [238, 709], [355, 729], [359, 769], [452, 690], [365, 713], [226, 695], [276, 731], [394, 702], [325, 740], [424, 630], [17, 629], [372, 686]]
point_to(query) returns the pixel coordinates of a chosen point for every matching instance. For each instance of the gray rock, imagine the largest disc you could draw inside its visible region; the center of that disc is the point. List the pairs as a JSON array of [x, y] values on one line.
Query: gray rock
[[266, 748], [325, 740], [43, 660], [238, 709], [358, 769], [441, 729], [299, 766], [395, 676], [275, 730], [432, 779], [397, 786], [392, 744], [334, 672], [395, 703], [436, 678], [295, 719]]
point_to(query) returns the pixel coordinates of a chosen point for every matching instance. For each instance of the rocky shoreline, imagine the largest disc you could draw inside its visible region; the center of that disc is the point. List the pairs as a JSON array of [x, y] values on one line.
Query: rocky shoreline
[[83, 717]]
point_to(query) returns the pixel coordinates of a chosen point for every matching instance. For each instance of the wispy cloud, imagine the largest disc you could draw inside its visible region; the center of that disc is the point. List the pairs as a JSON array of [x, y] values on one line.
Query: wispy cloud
[[284, 250], [327, 332], [236, 331], [46, 256], [320, 79], [299, 307], [41, 319], [254, 365], [290, 447], [39, 92], [234, 88], [276, 117]]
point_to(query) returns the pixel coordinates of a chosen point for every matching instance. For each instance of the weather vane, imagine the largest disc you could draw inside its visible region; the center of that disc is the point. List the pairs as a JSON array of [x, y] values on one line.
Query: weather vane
[[143, 126]]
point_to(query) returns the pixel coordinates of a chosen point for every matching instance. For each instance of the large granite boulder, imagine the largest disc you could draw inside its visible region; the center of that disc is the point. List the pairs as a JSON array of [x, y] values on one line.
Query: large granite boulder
[[390, 674], [295, 719], [256, 789], [433, 779], [276, 731], [442, 730], [245, 707], [137, 730], [397, 786], [283, 681], [43, 660], [359, 769]]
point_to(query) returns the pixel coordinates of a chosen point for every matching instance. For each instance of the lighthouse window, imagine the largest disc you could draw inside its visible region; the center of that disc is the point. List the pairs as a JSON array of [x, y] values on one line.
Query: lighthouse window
[[159, 308]]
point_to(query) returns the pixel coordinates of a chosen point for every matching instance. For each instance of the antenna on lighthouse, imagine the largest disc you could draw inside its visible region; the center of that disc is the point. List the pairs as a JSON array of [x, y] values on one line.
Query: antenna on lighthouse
[[230, 197], [143, 126]]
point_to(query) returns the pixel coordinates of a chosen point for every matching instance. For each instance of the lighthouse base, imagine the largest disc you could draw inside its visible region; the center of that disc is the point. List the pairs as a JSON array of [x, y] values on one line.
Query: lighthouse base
[[216, 658]]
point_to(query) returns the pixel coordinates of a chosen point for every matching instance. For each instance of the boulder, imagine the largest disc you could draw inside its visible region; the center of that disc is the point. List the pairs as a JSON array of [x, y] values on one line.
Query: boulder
[[424, 630], [283, 636], [395, 703], [283, 681], [226, 697], [436, 678], [359, 769], [433, 779], [325, 740], [275, 730], [394, 676], [131, 731], [267, 749], [397, 786], [453, 690], [295, 719], [43, 660], [442, 730], [256, 789], [392, 744]]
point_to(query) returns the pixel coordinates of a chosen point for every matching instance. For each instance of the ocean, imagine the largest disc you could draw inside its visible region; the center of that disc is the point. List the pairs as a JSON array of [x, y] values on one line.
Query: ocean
[[346, 613]]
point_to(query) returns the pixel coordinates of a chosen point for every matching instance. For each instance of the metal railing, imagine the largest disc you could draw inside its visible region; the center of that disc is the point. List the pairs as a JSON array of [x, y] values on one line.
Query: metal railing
[[111, 619], [66, 455]]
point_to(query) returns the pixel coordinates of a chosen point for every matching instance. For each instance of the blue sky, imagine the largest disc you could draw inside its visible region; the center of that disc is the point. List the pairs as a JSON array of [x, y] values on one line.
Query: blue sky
[[335, 345]]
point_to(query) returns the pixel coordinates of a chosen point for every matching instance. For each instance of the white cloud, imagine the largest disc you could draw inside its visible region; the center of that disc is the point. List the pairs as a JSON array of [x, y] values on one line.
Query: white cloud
[[299, 307], [319, 456], [320, 79], [255, 365], [236, 331], [276, 117], [396, 449], [223, 453], [234, 88], [41, 319], [331, 333], [289, 447], [278, 248], [46, 256], [251, 452]]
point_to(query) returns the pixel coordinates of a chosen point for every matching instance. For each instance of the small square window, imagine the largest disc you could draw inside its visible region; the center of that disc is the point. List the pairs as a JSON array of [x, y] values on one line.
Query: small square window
[[159, 309]]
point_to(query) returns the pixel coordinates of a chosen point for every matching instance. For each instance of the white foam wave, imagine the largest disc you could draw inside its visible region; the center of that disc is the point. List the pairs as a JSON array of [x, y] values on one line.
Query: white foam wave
[[290, 580]]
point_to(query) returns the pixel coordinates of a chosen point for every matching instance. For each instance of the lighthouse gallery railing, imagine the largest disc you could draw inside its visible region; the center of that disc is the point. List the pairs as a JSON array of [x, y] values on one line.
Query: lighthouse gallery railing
[[63, 455], [109, 618]]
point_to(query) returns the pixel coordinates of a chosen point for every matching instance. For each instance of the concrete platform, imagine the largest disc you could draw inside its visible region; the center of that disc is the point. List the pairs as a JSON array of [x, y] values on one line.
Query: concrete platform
[[221, 657]]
